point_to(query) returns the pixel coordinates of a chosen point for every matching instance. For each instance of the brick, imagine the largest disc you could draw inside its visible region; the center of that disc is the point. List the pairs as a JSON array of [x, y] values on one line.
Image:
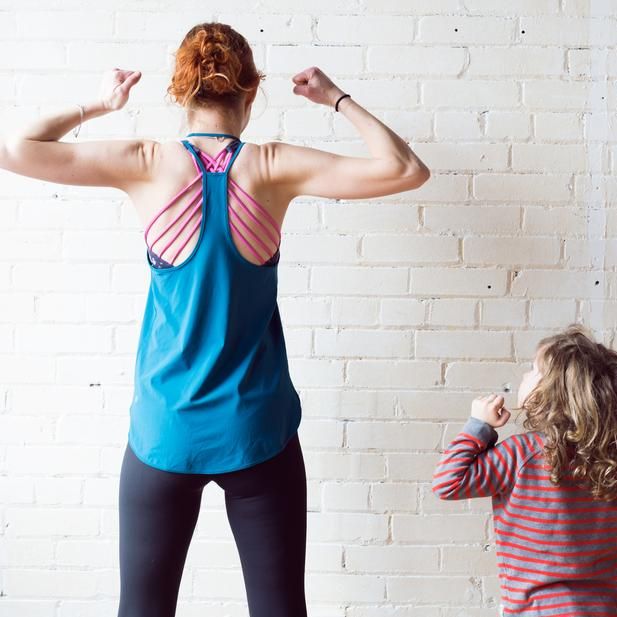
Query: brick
[[504, 313], [57, 584], [365, 29], [358, 217], [558, 126], [287, 58], [355, 311], [557, 284], [54, 522], [359, 280], [551, 95], [543, 220], [522, 7], [305, 311], [363, 343], [567, 31], [393, 374], [550, 158], [345, 465], [482, 375], [347, 527], [441, 188], [517, 251], [458, 281], [402, 312], [460, 590], [455, 125], [392, 558], [339, 588], [476, 94], [321, 433], [63, 338], [529, 187], [432, 405], [523, 61], [307, 372], [411, 60], [448, 529], [46, 55], [345, 496], [410, 125], [466, 30], [387, 497], [475, 219], [471, 344], [413, 249], [508, 125], [464, 157], [392, 435]]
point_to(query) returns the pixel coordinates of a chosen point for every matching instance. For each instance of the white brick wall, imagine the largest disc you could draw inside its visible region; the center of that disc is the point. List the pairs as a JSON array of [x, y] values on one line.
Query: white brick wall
[[397, 310]]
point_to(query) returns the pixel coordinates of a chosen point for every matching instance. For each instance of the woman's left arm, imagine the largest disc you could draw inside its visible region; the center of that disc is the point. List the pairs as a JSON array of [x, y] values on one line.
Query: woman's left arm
[[36, 151]]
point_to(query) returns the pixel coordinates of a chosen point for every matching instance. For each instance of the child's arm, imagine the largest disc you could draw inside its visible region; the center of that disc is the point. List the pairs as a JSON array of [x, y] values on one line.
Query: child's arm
[[471, 466]]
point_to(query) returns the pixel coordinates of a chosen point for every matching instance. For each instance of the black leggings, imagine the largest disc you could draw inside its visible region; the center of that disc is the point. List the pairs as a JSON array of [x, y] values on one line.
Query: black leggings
[[266, 508]]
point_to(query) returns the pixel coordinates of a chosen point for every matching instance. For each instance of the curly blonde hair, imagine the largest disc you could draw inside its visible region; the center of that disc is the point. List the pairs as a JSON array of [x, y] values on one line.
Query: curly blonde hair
[[214, 65], [575, 406]]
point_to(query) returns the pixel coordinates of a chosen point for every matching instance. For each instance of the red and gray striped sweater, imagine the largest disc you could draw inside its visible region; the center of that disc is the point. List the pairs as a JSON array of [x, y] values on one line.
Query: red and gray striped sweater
[[556, 546]]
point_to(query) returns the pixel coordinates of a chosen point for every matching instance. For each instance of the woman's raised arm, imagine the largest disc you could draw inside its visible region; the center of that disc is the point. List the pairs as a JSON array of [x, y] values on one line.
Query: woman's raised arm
[[392, 168]]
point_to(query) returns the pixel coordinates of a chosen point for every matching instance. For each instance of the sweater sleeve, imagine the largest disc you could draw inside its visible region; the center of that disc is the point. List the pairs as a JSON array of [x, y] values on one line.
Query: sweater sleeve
[[472, 466]]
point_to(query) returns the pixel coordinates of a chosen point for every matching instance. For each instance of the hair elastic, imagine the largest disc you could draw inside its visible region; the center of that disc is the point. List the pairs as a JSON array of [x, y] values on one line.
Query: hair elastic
[[339, 100], [81, 119]]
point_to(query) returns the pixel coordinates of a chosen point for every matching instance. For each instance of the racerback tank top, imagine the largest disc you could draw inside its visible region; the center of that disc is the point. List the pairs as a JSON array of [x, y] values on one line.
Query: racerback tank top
[[212, 389]]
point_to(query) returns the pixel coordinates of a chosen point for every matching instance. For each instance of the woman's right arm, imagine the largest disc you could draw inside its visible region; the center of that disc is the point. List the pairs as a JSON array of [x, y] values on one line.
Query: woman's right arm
[[392, 168]]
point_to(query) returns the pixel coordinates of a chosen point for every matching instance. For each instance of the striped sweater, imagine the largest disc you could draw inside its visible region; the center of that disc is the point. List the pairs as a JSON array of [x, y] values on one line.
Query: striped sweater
[[556, 547]]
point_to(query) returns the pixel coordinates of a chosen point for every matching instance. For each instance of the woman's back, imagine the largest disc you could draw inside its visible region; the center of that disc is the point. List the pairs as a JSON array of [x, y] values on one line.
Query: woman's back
[[257, 207], [212, 387]]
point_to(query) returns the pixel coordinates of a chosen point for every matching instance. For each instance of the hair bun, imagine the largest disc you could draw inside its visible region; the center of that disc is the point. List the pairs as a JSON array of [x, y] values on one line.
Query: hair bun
[[219, 66], [212, 83], [214, 64]]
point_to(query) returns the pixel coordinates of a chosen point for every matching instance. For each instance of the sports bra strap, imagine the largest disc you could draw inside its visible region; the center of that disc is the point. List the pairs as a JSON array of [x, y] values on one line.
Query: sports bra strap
[[213, 135], [197, 158], [233, 157]]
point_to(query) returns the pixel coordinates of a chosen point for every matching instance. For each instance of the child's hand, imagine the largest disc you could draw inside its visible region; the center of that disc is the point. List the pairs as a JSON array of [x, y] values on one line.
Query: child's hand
[[490, 409]]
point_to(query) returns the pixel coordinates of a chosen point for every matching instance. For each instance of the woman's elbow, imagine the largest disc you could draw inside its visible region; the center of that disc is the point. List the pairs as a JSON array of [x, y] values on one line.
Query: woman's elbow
[[417, 174]]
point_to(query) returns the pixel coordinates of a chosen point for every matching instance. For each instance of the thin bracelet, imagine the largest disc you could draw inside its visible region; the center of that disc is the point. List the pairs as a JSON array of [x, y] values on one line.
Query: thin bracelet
[[339, 100], [81, 119]]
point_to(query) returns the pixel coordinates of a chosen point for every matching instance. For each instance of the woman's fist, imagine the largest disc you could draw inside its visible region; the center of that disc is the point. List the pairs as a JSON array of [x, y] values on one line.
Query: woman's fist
[[115, 87], [316, 86]]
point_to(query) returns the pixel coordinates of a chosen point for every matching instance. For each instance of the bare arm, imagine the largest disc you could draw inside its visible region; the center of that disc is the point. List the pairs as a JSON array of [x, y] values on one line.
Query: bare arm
[[37, 152], [392, 168]]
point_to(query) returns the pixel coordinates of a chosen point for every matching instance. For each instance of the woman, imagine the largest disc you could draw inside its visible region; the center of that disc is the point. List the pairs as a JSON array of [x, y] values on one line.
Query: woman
[[213, 397]]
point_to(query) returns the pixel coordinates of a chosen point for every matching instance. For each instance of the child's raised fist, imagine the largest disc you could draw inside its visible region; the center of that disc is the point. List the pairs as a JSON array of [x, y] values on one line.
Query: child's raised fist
[[490, 409]]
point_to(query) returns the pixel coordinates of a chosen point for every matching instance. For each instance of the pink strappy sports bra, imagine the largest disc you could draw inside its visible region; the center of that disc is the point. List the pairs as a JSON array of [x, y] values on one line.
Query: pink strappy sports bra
[[250, 223]]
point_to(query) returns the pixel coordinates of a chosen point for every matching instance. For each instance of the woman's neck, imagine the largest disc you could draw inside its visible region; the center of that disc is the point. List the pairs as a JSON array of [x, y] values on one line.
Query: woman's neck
[[212, 122]]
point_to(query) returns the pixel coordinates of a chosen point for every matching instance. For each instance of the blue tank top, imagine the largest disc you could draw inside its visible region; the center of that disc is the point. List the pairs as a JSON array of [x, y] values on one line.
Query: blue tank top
[[212, 390]]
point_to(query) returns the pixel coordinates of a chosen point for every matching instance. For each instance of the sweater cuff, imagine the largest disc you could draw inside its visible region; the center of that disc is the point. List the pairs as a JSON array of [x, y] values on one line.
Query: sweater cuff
[[482, 431]]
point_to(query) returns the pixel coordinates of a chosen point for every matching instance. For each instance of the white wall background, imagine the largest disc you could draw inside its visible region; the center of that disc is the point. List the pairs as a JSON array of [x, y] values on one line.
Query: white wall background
[[397, 311]]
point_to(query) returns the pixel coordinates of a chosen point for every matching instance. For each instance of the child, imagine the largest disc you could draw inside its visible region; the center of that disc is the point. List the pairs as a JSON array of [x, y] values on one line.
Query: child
[[553, 489]]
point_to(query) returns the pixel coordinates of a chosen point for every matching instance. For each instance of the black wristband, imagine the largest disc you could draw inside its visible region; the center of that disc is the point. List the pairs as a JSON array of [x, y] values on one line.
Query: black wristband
[[339, 100]]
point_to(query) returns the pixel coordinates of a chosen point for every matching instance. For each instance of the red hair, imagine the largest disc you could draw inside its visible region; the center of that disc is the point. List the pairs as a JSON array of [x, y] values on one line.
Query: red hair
[[214, 65]]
